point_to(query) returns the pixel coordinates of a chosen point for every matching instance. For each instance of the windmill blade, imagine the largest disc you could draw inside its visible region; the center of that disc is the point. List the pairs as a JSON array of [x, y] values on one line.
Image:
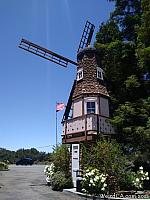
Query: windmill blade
[[68, 107], [45, 53], [86, 35]]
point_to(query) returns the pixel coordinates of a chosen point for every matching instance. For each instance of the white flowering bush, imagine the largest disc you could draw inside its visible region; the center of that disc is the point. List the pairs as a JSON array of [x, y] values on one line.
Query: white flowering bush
[[49, 172], [139, 177], [94, 182]]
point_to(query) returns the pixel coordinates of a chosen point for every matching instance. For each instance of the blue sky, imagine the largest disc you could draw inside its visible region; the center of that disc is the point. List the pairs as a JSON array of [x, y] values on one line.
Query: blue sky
[[29, 85]]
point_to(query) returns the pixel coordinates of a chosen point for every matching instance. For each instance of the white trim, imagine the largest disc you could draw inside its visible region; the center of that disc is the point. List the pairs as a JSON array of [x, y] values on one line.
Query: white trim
[[80, 74], [100, 73], [91, 99]]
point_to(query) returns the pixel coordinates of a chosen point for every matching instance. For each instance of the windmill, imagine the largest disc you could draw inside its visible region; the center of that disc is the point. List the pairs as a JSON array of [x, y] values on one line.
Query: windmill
[[59, 59], [54, 57], [87, 111]]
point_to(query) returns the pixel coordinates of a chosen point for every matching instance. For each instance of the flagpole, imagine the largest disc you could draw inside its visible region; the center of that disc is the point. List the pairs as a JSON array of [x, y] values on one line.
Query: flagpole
[[59, 107], [56, 127]]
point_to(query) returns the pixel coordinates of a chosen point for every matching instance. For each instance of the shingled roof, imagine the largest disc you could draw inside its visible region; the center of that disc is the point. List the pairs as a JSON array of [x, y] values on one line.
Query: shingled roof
[[90, 84]]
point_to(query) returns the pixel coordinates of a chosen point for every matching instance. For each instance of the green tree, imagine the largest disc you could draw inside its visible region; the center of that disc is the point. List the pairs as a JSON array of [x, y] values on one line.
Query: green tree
[[12, 156], [143, 45], [117, 41], [124, 44], [127, 14]]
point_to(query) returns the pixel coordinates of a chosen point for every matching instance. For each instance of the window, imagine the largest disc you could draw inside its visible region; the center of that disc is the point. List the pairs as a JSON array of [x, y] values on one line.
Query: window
[[80, 74], [99, 73], [90, 107]]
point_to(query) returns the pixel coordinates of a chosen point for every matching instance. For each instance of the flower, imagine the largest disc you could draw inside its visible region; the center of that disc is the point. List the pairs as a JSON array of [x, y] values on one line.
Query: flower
[[140, 185], [139, 177], [141, 171], [105, 185], [103, 179], [46, 168], [93, 181], [146, 174], [137, 180], [96, 178], [141, 168], [47, 179], [49, 171]]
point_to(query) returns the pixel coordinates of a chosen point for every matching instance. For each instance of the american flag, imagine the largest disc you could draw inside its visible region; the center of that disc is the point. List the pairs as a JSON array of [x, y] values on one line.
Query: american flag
[[59, 106]]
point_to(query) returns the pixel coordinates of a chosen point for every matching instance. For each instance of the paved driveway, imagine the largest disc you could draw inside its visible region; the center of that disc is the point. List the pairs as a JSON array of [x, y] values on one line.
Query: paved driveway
[[28, 183]]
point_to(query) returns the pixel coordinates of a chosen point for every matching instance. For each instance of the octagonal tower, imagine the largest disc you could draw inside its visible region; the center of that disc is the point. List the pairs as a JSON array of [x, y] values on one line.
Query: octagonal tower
[[87, 112]]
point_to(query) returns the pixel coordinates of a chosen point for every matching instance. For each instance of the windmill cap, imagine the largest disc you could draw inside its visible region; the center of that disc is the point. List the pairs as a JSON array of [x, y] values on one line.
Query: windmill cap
[[87, 50]]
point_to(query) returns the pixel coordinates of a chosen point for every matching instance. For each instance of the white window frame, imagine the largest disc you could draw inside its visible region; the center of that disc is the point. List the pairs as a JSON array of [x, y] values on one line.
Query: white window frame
[[100, 73], [80, 74], [91, 99]]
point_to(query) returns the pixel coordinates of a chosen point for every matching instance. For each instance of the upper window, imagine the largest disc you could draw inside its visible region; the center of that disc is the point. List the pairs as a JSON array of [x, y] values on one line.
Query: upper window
[[100, 73], [80, 74], [90, 107]]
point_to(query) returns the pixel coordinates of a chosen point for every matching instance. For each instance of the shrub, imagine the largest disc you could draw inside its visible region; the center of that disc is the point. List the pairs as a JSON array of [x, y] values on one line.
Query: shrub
[[61, 159], [139, 177], [3, 166], [125, 181], [69, 183], [132, 180], [94, 182], [49, 172], [60, 182]]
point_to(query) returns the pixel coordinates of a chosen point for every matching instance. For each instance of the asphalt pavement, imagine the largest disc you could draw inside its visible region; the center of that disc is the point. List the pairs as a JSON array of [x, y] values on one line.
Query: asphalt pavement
[[28, 183]]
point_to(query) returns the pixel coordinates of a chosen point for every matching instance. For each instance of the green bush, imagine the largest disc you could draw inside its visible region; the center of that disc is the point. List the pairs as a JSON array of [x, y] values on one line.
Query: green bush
[[3, 166], [108, 158], [94, 182], [125, 181], [69, 183], [60, 182], [131, 180], [61, 159]]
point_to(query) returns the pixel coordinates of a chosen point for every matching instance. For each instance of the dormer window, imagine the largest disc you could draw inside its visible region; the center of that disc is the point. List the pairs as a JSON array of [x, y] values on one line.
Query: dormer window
[[80, 74], [100, 73]]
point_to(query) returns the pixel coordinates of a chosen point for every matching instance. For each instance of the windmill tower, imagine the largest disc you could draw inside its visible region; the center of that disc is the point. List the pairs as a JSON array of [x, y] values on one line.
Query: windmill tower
[[86, 117], [88, 102]]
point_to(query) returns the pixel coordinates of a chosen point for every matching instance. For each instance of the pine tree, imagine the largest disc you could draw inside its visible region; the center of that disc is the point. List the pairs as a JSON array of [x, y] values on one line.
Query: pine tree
[[127, 15], [124, 42]]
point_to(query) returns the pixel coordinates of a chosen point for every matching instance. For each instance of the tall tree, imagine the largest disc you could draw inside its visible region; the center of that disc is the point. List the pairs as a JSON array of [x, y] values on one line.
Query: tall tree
[[128, 15], [143, 44], [124, 42]]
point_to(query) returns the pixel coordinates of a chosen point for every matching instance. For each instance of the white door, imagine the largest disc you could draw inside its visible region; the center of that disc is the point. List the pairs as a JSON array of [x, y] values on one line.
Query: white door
[[75, 161]]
